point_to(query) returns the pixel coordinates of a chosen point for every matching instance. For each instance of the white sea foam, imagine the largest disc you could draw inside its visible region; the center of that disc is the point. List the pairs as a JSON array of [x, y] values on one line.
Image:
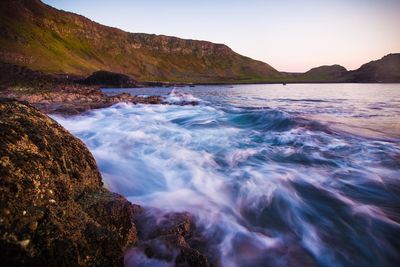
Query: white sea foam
[[272, 187], [176, 96]]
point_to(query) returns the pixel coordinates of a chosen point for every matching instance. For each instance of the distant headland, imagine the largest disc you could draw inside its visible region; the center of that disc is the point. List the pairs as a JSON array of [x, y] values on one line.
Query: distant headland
[[42, 38]]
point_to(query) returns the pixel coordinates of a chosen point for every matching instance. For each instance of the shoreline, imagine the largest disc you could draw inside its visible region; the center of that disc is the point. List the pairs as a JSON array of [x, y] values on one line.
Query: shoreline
[[177, 84], [70, 94], [54, 200], [73, 101]]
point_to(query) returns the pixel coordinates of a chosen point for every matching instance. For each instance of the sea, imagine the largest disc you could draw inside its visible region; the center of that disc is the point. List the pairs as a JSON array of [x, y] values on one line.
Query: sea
[[275, 175]]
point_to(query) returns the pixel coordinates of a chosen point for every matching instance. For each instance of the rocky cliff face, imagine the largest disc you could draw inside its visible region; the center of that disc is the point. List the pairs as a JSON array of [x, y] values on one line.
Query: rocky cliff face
[[54, 210], [174, 45], [43, 38]]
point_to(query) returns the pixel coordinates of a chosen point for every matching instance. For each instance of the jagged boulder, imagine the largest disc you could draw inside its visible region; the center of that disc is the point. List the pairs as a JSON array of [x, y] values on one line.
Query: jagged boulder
[[54, 210]]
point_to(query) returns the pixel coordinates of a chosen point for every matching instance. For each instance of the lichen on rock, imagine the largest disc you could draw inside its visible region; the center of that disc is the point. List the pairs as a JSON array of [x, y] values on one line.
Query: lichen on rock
[[54, 209]]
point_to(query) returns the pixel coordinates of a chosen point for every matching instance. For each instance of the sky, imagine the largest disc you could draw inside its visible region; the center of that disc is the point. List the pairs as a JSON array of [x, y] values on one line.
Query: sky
[[290, 35]]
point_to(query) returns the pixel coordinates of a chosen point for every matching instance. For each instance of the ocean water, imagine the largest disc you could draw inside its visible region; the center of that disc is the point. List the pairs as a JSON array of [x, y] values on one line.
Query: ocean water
[[296, 175]]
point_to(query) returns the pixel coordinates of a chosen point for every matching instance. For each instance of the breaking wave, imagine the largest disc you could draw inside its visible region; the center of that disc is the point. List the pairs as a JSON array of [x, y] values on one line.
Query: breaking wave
[[266, 187]]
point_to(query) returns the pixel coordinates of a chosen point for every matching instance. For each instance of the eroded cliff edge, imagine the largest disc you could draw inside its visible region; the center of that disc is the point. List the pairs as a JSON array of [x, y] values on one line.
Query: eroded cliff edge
[[55, 211]]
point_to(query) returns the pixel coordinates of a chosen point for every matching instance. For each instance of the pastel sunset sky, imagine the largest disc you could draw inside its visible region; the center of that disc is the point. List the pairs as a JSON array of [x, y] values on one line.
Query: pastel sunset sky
[[290, 35]]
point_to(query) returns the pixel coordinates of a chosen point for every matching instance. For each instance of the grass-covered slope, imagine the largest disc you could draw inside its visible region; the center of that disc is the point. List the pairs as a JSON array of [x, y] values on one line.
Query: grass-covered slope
[[332, 73], [386, 69], [43, 38]]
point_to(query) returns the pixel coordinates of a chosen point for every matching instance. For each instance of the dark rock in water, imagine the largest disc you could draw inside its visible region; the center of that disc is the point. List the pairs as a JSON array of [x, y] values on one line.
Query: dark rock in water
[[106, 78], [163, 240], [169, 249], [54, 210], [154, 223]]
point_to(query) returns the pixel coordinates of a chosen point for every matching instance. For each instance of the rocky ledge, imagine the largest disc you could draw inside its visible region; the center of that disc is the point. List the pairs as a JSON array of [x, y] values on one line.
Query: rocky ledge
[[68, 94], [72, 99], [56, 212]]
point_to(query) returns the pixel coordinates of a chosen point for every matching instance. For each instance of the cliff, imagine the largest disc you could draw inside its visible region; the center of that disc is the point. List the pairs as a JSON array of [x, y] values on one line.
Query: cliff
[[43, 38]]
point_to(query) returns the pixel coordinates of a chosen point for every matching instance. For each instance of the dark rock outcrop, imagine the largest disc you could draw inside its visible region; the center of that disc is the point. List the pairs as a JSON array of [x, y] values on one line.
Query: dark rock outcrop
[[57, 93], [165, 240], [106, 78], [54, 210], [11, 74], [63, 93]]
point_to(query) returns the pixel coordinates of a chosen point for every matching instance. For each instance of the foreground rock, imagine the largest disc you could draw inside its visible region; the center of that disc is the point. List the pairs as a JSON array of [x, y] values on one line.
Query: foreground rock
[[54, 210]]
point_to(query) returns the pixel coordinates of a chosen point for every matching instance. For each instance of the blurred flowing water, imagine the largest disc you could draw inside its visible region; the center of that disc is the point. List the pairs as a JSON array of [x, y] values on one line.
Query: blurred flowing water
[[296, 175]]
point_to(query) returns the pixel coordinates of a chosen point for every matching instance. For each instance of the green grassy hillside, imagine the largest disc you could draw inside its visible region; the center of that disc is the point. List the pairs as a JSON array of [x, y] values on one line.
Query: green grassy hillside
[[322, 74], [43, 38]]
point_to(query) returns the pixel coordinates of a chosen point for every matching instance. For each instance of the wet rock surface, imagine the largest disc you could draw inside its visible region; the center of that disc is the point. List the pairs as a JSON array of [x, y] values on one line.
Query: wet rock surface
[[164, 240], [55, 211], [74, 99]]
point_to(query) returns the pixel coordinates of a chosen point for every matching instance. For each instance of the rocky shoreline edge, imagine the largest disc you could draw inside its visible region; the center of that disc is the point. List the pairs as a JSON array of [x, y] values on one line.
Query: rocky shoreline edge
[[73, 100], [55, 210], [68, 94]]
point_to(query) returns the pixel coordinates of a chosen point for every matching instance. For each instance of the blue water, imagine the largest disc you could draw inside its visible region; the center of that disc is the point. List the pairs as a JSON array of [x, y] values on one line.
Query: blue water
[[296, 175]]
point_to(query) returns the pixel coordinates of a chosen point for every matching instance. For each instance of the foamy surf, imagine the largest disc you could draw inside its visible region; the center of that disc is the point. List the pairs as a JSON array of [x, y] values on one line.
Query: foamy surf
[[180, 97], [267, 187]]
